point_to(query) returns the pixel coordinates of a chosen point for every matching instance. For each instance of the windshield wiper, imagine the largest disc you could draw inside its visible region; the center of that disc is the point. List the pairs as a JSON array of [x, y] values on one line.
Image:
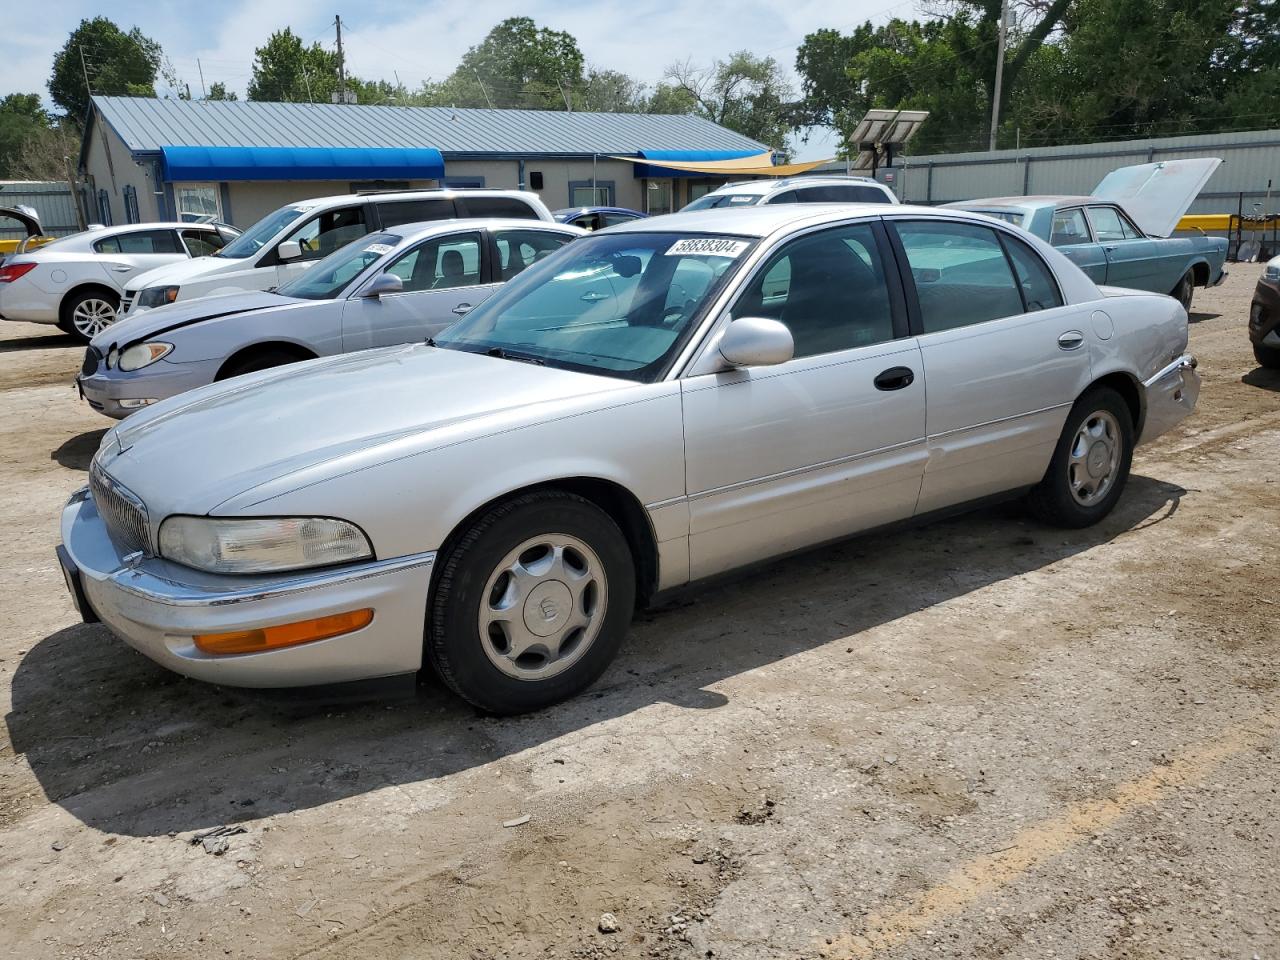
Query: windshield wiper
[[503, 354]]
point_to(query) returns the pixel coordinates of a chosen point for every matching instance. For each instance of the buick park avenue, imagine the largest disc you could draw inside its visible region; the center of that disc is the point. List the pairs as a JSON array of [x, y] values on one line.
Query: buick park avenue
[[648, 406]]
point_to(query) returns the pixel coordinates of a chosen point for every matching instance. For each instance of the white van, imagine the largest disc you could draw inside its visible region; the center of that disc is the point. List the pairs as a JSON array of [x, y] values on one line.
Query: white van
[[287, 241]]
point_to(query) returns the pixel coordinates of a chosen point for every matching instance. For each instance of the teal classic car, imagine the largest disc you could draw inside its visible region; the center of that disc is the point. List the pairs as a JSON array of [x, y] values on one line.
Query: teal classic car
[[1121, 235]]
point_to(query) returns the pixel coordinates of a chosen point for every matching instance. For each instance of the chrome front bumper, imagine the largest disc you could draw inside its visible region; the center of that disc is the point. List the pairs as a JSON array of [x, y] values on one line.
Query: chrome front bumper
[[157, 607], [1170, 397]]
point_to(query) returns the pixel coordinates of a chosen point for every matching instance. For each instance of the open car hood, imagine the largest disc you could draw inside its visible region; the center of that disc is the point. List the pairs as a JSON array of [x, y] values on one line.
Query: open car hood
[[1157, 195]]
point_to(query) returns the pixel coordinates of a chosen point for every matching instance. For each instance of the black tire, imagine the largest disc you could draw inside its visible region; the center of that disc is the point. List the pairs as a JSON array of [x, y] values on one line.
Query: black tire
[[1052, 500], [453, 639], [78, 299], [263, 360], [1268, 357], [1185, 290]]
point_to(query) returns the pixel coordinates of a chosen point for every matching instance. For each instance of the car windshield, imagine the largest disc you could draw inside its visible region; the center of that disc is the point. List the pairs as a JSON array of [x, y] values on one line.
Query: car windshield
[[712, 200], [329, 276], [256, 237], [618, 305]]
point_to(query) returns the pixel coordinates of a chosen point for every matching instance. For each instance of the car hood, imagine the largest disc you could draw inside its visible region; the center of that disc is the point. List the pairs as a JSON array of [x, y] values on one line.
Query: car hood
[[160, 320], [1157, 195], [186, 270], [195, 451]]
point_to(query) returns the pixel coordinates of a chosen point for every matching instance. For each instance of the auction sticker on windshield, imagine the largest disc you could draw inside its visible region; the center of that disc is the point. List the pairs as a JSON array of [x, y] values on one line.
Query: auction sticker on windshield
[[379, 248], [707, 246]]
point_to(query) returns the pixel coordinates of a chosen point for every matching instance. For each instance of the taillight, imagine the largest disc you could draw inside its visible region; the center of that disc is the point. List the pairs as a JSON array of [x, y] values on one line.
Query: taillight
[[15, 270]]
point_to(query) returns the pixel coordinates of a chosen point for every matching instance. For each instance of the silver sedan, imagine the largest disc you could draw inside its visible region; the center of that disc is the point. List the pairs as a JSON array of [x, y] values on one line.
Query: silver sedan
[[495, 505], [397, 286]]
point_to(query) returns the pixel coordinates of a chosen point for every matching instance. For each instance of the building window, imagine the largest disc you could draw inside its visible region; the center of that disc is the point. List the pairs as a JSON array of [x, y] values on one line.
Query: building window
[[104, 208], [582, 193], [196, 201], [657, 197], [131, 204]]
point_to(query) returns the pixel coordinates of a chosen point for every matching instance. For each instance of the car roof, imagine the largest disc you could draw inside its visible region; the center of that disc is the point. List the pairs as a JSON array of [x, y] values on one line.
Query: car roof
[[575, 211], [412, 232], [1024, 203], [766, 219], [769, 186]]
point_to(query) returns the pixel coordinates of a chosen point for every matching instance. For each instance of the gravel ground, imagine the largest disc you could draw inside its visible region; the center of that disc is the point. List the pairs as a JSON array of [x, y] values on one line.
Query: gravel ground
[[982, 738]]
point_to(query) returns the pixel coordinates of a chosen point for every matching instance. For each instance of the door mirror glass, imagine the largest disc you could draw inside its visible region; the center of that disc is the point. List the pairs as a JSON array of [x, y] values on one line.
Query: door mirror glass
[[289, 250], [382, 284], [756, 342]]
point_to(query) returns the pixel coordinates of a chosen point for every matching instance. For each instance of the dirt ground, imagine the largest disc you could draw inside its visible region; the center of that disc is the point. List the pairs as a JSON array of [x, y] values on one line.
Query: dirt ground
[[983, 738]]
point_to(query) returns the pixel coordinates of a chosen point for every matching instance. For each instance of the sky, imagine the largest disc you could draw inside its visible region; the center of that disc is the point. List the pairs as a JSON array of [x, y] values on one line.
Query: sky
[[418, 40]]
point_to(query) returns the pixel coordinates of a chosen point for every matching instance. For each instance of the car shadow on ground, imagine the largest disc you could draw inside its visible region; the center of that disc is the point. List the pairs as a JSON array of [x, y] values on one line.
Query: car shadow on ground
[[1263, 378], [76, 453], [40, 343], [130, 748], [1195, 316]]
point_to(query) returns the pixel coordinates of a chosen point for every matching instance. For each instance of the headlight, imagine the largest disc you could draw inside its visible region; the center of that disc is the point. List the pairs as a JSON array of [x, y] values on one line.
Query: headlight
[[157, 296], [261, 545], [142, 355]]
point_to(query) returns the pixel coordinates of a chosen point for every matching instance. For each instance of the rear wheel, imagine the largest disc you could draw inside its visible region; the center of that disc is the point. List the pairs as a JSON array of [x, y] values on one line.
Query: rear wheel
[[1269, 357], [1090, 465], [1185, 290], [532, 603], [85, 315]]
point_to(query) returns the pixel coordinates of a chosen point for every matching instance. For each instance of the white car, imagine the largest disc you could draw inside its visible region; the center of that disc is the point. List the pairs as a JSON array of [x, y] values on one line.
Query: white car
[[76, 282], [837, 188], [286, 242], [494, 503]]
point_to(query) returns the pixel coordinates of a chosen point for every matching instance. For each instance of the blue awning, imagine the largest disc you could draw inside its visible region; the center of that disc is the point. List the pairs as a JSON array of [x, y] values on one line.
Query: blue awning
[[302, 163], [656, 169]]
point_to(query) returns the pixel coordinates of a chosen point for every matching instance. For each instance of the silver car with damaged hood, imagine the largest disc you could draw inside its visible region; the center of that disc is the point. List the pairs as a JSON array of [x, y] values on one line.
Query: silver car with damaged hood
[[396, 286], [496, 505]]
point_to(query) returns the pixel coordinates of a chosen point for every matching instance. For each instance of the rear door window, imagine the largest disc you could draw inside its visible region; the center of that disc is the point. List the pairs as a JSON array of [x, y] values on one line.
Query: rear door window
[[394, 213], [1039, 289], [961, 274], [140, 241], [497, 207], [519, 249], [1069, 227]]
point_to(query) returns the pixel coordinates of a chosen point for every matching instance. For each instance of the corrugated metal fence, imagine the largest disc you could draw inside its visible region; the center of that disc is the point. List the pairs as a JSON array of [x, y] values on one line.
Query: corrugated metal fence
[[52, 200], [1251, 161]]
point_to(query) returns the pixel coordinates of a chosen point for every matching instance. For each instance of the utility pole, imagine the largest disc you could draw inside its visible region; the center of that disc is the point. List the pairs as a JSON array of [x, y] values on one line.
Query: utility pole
[[482, 89], [84, 69], [995, 97], [342, 67]]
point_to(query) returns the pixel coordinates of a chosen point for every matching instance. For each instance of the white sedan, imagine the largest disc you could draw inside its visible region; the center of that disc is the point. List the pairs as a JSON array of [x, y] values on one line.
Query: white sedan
[[496, 502], [76, 282]]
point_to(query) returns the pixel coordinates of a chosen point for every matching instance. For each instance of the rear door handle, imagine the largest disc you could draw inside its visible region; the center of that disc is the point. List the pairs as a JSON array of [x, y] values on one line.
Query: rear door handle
[[895, 378], [462, 309], [1071, 339], [592, 296]]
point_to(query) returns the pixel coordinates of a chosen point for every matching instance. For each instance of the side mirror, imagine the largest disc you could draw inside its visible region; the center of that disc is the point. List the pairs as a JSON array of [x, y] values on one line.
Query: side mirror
[[383, 283], [289, 250], [756, 342]]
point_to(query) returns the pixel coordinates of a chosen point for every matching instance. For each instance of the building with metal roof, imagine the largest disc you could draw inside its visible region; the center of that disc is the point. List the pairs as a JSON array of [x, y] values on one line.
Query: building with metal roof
[[151, 159]]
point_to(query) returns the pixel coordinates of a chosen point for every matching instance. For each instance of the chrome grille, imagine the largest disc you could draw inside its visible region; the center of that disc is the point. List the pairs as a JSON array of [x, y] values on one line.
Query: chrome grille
[[122, 512]]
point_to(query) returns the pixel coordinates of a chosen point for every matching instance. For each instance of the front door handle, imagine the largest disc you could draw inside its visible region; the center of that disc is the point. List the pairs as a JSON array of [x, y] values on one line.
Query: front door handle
[[462, 309], [1071, 339], [593, 296], [895, 378]]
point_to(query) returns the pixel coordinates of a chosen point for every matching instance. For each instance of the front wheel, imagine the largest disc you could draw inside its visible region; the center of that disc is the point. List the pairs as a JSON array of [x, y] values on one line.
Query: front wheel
[[532, 603], [85, 315], [1185, 290], [1268, 357], [1090, 464]]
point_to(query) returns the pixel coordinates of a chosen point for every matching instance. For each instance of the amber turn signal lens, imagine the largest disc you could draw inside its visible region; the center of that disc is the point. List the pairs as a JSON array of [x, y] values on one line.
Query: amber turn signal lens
[[284, 635]]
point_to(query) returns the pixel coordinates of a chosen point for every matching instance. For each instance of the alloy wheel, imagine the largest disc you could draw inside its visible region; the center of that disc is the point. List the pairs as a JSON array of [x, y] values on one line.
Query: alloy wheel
[[91, 316]]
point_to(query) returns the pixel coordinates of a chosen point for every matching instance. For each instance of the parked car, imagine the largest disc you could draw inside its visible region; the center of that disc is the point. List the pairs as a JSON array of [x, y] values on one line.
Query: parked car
[[1122, 235], [1264, 316], [597, 218], [809, 189], [400, 285], [285, 242], [75, 282], [25, 222], [775, 378]]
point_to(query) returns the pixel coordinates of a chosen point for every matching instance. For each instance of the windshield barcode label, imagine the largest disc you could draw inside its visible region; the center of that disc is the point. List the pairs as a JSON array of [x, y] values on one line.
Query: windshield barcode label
[[707, 247]]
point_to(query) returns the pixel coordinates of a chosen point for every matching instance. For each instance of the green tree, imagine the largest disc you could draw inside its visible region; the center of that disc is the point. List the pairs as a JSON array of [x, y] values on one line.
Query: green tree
[[518, 64], [285, 69], [22, 117], [117, 63], [218, 91], [745, 93], [610, 91]]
